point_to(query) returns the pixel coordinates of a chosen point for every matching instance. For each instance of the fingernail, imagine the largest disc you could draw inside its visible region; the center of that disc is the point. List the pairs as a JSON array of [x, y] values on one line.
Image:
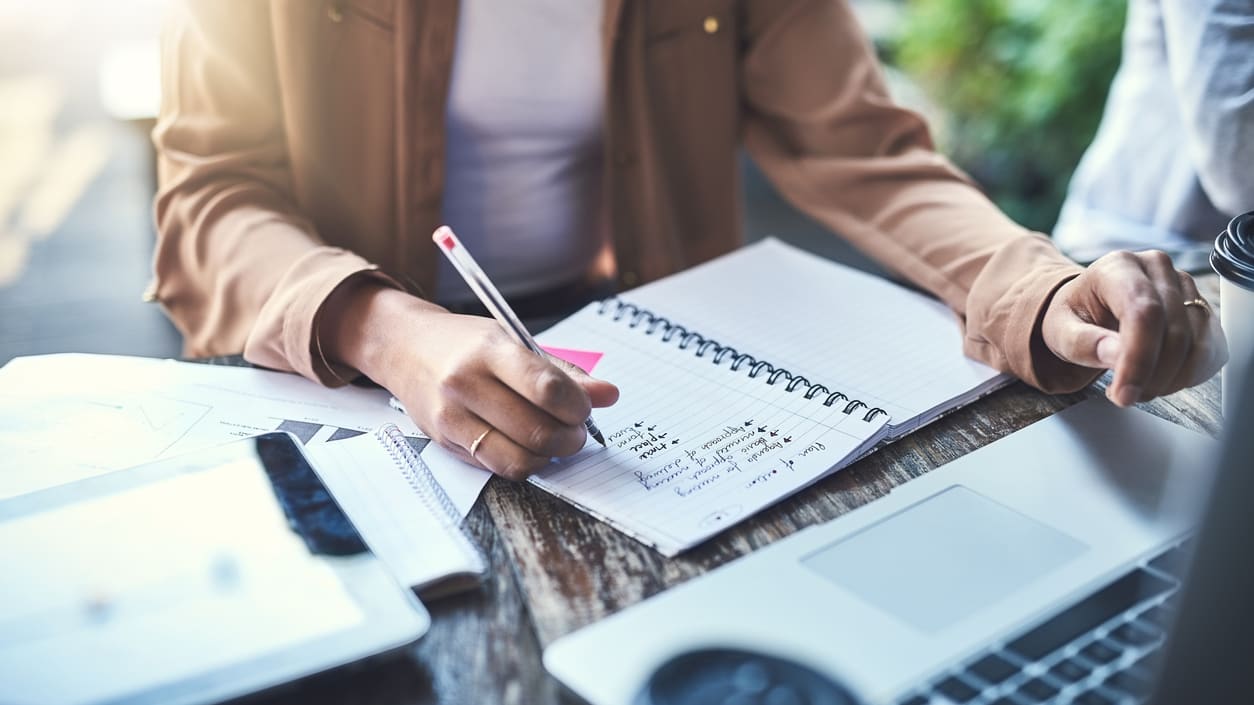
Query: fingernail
[[1108, 350]]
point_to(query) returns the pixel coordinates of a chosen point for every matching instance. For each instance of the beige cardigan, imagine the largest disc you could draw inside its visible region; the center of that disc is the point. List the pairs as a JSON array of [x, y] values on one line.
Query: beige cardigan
[[302, 142]]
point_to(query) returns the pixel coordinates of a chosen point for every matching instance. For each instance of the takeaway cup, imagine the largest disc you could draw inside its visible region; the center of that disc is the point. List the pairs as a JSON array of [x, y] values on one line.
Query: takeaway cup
[[1233, 260]]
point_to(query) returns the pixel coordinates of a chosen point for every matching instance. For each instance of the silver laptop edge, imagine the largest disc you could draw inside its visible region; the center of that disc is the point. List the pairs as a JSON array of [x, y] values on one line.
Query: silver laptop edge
[[896, 592]]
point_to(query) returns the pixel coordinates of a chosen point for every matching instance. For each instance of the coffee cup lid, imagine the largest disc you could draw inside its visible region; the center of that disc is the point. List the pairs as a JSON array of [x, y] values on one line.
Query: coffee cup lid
[[1233, 256]]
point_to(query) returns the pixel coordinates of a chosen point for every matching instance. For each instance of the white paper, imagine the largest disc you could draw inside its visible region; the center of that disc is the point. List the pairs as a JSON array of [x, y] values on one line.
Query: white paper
[[699, 440], [693, 446], [461, 481], [850, 331], [403, 527], [66, 417]]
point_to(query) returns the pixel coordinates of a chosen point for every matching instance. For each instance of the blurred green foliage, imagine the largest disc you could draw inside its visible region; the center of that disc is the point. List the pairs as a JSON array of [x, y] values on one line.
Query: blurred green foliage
[[1021, 83]]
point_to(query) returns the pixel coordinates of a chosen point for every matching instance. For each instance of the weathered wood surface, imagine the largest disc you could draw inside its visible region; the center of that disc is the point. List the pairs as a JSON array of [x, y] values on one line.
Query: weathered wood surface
[[554, 569]]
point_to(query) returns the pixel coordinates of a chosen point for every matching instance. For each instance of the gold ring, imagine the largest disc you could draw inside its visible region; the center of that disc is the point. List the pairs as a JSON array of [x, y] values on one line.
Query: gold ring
[[474, 446], [1200, 303]]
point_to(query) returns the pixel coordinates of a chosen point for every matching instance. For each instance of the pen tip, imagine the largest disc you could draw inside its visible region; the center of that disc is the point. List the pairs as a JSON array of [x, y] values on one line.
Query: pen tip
[[600, 439]]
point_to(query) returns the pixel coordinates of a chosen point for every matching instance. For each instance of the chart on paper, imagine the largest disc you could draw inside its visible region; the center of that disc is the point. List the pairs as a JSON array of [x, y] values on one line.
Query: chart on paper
[[64, 418], [66, 439], [93, 434]]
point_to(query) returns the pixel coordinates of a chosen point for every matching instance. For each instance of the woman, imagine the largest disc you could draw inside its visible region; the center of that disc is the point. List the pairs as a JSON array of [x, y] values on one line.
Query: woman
[[308, 150]]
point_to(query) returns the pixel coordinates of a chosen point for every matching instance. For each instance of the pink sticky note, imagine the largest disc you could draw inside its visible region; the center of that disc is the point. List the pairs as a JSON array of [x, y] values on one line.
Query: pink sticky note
[[583, 359]]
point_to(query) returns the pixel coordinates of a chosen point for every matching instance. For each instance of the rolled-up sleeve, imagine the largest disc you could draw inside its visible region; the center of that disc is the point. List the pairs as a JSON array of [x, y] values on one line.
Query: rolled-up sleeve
[[823, 128], [237, 267]]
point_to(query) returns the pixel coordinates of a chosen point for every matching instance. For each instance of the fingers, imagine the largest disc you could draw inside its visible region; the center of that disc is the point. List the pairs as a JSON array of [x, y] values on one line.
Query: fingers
[[541, 383], [537, 407], [1210, 350], [463, 376], [531, 427], [480, 379], [1125, 287], [1162, 345], [1082, 343], [600, 392], [1177, 336], [547, 424], [496, 452]]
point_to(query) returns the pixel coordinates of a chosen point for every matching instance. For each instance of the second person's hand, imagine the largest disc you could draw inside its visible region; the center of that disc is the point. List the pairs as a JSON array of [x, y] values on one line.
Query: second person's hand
[[465, 382]]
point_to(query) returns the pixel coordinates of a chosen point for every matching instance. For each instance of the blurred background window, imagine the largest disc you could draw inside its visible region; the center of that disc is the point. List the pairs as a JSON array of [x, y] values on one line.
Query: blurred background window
[[78, 94], [1019, 86]]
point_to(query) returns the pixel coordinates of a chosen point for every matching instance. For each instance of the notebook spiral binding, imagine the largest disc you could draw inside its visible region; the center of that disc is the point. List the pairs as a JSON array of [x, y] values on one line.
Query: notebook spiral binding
[[418, 476], [687, 338]]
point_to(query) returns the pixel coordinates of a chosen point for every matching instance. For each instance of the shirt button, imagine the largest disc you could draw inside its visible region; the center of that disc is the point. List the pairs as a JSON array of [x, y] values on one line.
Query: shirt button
[[629, 278], [334, 13], [710, 25]]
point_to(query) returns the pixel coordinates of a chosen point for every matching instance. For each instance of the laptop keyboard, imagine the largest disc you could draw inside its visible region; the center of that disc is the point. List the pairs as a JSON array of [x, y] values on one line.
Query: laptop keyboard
[[1098, 651]]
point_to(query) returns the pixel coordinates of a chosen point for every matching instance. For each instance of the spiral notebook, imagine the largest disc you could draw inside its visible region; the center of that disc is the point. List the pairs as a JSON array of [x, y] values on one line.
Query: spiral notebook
[[405, 516], [748, 378]]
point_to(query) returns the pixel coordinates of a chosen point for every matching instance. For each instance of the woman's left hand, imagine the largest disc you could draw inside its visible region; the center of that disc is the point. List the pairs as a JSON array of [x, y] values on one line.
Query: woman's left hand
[[1127, 312]]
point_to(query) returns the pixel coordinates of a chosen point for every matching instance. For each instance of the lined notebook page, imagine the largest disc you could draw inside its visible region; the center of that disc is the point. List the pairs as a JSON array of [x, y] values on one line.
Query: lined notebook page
[[693, 446], [850, 331], [399, 514]]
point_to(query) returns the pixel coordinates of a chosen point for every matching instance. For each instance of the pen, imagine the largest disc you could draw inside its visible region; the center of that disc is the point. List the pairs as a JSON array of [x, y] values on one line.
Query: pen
[[493, 301]]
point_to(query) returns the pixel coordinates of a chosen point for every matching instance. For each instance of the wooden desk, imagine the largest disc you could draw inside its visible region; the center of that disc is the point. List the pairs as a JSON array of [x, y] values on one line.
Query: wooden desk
[[553, 569]]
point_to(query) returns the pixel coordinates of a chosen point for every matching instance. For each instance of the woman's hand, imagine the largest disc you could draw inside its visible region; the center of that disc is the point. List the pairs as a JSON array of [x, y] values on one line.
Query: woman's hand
[[462, 376], [1127, 312]]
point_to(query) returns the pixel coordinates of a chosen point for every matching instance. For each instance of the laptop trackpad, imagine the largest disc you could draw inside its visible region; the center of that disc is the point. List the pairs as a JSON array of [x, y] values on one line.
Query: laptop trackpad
[[944, 558]]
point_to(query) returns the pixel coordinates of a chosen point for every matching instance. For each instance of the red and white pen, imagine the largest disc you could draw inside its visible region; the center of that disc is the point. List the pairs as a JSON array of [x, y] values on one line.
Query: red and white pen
[[492, 300]]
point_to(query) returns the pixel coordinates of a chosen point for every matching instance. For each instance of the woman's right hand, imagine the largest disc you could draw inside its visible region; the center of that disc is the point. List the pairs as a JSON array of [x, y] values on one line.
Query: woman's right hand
[[460, 376]]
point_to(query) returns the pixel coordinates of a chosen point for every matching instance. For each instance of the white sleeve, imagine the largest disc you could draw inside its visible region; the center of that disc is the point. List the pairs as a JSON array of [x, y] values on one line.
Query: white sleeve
[[1210, 53]]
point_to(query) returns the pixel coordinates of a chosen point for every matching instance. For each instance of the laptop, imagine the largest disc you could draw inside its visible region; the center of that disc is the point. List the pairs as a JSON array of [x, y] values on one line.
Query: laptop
[[1043, 568]]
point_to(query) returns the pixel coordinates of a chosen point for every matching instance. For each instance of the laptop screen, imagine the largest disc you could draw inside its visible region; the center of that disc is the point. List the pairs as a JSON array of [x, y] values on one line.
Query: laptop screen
[[1208, 653]]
